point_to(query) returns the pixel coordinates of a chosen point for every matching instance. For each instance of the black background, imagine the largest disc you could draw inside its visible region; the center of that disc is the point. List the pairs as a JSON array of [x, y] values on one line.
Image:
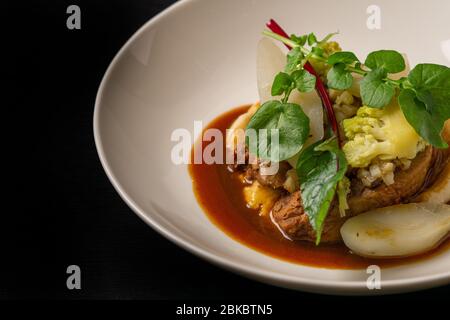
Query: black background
[[59, 208]]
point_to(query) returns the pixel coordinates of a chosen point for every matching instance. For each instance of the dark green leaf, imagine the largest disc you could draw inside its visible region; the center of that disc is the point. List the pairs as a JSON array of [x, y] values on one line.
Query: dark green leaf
[[304, 81], [311, 39], [339, 78], [281, 83], [390, 60], [300, 40], [427, 125], [375, 92], [318, 51], [426, 105], [303, 39], [432, 84], [319, 168], [345, 57], [294, 58], [292, 126], [295, 38]]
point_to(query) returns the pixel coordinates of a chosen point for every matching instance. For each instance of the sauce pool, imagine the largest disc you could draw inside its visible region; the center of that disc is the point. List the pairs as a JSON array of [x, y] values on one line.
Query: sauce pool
[[220, 194]]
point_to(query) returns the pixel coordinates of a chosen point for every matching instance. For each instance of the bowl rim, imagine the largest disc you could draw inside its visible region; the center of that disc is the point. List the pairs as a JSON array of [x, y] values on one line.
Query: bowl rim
[[271, 277]]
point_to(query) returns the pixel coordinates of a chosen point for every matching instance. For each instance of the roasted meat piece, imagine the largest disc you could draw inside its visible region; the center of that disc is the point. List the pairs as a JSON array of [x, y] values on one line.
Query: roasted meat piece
[[290, 217], [275, 181]]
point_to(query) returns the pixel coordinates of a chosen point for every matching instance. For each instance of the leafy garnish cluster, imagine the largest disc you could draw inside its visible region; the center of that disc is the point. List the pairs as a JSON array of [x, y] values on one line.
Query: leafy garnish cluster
[[320, 168], [288, 118], [424, 98]]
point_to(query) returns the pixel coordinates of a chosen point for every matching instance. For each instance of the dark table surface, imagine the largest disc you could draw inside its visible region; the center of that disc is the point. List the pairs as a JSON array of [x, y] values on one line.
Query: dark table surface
[[60, 208]]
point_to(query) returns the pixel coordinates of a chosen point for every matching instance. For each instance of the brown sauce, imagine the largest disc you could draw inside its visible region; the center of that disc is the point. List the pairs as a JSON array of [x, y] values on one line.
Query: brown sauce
[[220, 194]]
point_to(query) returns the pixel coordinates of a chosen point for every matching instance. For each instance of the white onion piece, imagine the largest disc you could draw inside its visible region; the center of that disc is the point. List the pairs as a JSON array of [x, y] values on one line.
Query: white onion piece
[[312, 106], [270, 61], [397, 231]]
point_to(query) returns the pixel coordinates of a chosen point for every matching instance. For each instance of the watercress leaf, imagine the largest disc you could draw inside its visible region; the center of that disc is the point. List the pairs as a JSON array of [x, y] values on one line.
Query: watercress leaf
[[375, 92], [311, 39], [390, 60], [426, 101], [319, 168], [339, 78], [318, 51], [288, 120], [427, 124], [281, 83], [432, 85], [304, 81], [294, 58], [301, 40], [342, 57], [294, 38]]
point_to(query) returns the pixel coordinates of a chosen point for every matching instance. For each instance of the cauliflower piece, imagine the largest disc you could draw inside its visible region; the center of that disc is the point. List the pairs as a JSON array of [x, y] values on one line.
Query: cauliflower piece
[[382, 133]]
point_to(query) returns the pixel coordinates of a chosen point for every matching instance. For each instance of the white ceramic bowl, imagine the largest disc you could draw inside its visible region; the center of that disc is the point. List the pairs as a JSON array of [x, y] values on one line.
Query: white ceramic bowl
[[197, 60]]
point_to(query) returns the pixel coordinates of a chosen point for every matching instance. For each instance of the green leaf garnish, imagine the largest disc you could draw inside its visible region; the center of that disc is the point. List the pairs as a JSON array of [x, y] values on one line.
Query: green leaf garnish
[[304, 81], [339, 78], [317, 51], [342, 57], [299, 40], [390, 60], [281, 84], [375, 91], [294, 59], [292, 125], [312, 39], [432, 85], [427, 125], [424, 98], [319, 168], [426, 103]]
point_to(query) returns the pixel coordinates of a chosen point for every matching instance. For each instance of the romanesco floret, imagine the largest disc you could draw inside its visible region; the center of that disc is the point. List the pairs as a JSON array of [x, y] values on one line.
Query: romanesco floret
[[382, 133], [328, 48]]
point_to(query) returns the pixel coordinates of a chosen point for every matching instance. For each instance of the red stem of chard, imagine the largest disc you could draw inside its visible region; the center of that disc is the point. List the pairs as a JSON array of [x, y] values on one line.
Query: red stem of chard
[[320, 87]]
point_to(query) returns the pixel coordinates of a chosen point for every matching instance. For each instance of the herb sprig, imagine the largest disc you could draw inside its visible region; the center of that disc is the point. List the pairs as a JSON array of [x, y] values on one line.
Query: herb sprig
[[321, 166], [289, 118], [424, 96]]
